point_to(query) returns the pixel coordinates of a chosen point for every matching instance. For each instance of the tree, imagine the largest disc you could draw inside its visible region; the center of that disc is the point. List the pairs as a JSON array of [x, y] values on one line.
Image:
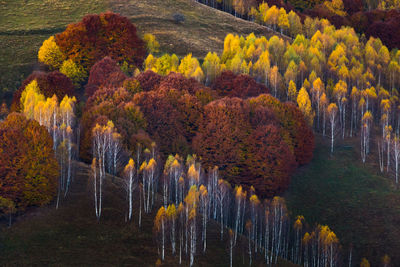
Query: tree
[[7, 207], [261, 68], [298, 225], [97, 36], [336, 6], [317, 91], [274, 79], [212, 67], [240, 207], [151, 43], [365, 134], [270, 160], [106, 73], [190, 67], [396, 156], [222, 198], [50, 54], [204, 207], [364, 263], [249, 229], [30, 98], [221, 134], [130, 184], [292, 91], [231, 244], [291, 119], [172, 216], [191, 204], [232, 85], [74, 71], [67, 121], [102, 140], [332, 114], [304, 103], [159, 230], [340, 92], [295, 25], [386, 260], [354, 95], [149, 178], [283, 21], [97, 186], [28, 167]]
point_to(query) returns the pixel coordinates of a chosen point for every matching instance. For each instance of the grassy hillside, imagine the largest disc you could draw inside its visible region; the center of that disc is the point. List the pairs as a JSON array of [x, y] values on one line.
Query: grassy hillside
[[72, 236], [25, 24], [360, 205], [203, 30]]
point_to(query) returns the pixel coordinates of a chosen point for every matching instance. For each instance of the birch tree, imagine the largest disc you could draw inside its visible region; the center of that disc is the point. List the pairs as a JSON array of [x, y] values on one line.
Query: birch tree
[[332, 114], [130, 185], [159, 230]]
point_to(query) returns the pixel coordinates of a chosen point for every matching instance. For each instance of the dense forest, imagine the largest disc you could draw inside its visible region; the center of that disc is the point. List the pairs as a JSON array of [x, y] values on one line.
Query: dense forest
[[207, 141]]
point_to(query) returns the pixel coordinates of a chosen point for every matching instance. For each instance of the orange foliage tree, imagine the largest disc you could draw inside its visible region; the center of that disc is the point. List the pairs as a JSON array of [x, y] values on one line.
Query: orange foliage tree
[[28, 167], [97, 36]]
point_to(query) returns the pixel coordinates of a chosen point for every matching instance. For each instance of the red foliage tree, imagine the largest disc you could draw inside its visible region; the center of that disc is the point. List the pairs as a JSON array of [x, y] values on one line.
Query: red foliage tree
[[179, 82], [49, 83], [97, 36], [230, 84], [149, 80], [301, 137], [105, 72], [28, 167], [219, 140], [269, 160], [172, 117]]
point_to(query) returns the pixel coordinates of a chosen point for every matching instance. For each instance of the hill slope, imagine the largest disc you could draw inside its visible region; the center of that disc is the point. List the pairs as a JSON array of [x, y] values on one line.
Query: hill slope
[[72, 236], [24, 25], [357, 202]]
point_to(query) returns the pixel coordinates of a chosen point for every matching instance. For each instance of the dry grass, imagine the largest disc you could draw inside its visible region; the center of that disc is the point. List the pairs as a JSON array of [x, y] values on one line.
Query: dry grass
[[203, 30], [24, 24]]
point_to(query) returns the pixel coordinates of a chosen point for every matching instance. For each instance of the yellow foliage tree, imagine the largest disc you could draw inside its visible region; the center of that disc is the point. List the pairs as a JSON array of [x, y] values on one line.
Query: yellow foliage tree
[[50, 54], [304, 103], [151, 43], [189, 67], [75, 72], [292, 91], [30, 98]]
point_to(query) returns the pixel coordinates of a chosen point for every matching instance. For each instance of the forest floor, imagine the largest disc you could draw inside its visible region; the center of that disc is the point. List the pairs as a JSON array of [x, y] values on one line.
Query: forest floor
[[72, 236], [355, 200]]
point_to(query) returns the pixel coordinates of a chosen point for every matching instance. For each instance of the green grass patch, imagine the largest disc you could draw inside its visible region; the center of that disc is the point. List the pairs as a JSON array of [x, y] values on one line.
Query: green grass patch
[[18, 57], [26, 15], [362, 207], [24, 25]]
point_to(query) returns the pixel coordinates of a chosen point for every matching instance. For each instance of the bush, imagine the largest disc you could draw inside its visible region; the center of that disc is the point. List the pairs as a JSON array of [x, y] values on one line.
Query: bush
[[178, 17]]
